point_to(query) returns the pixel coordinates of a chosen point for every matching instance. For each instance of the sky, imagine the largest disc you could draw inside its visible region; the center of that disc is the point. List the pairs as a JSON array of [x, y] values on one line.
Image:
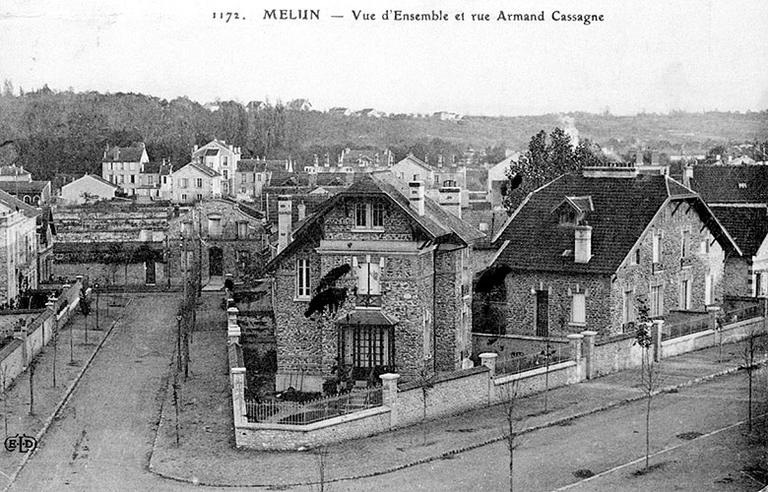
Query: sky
[[693, 55]]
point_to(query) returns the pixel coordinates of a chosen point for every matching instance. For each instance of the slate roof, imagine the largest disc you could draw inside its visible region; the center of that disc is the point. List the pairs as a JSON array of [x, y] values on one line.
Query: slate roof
[[202, 168], [124, 154], [495, 220], [436, 222], [13, 171], [331, 179], [623, 208], [415, 160], [157, 168], [720, 184], [747, 225], [15, 204]]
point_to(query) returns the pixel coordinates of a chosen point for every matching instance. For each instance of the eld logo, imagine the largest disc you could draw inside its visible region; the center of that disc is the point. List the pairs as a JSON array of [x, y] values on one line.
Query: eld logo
[[21, 443]]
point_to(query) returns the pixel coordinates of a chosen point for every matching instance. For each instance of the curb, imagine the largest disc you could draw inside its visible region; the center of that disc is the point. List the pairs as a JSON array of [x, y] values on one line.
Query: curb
[[470, 447], [67, 394]]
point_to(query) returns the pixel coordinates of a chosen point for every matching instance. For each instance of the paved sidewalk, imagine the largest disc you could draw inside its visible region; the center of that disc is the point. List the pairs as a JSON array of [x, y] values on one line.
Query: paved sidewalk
[[207, 456], [48, 399]]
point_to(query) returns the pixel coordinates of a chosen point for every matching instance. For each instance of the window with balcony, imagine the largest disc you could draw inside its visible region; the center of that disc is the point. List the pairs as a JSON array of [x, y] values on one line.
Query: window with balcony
[[368, 282]]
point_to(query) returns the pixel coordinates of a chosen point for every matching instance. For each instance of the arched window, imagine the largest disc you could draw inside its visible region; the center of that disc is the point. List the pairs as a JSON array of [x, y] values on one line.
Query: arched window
[[27, 199]]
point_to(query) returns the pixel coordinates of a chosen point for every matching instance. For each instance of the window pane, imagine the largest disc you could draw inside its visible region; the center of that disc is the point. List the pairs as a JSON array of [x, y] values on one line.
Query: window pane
[[378, 215], [360, 215], [578, 314]]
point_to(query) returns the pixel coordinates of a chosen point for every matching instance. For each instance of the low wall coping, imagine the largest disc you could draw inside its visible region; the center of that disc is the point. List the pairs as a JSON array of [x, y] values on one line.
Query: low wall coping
[[237, 370], [523, 337], [442, 378], [342, 419], [9, 348], [575, 336], [499, 380], [589, 333], [686, 338]]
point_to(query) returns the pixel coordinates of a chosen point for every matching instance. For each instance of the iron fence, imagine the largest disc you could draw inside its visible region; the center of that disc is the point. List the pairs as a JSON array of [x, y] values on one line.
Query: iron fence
[[682, 328], [744, 313], [294, 413], [522, 363]]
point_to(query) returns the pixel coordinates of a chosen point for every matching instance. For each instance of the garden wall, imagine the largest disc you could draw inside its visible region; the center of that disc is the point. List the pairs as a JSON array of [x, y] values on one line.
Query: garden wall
[[28, 342], [513, 345], [731, 333]]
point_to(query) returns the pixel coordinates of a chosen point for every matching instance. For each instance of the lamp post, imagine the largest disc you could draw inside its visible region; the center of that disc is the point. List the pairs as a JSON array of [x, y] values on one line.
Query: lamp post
[[178, 342], [96, 286]]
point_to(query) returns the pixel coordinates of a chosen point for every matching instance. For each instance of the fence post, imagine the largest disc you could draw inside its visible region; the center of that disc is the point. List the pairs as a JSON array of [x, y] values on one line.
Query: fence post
[[238, 396], [389, 396], [588, 349], [656, 331], [232, 316], [575, 340], [488, 359]]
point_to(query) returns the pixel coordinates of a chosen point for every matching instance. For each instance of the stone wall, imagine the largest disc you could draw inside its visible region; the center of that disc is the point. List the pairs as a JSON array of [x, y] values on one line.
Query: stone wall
[[521, 302], [29, 341], [738, 276], [114, 273], [508, 346]]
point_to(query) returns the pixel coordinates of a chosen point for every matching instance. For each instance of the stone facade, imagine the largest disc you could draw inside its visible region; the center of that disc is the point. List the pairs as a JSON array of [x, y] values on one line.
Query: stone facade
[[420, 291], [18, 253], [632, 278]]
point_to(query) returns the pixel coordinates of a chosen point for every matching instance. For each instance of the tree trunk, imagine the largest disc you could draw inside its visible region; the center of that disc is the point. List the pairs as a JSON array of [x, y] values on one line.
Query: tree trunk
[[32, 388], [648, 431]]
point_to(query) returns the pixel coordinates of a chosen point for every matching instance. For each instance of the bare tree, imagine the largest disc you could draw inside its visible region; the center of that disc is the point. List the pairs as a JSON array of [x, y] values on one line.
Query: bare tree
[[322, 461], [31, 370], [510, 430], [4, 380], [426, 383], [751, 348], [650, 374]]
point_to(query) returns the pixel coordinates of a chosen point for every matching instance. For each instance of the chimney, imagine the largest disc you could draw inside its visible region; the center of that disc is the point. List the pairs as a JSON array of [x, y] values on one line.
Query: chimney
[[302, 209], [450, 199], [194, 149], [416, 196], [327, 160], [687, 174], [283, 221], [582, 248], [317, 161]]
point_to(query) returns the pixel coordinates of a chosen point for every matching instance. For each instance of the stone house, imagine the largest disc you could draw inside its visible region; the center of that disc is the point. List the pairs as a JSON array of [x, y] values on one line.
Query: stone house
[[365, 159], [582, 251], [155, 180], [195, 182], [738, 195], [37, 193], [375, 281], [232, 239], [250, 178], [18, 247], [223, 159], [122, 166], [88, 188]]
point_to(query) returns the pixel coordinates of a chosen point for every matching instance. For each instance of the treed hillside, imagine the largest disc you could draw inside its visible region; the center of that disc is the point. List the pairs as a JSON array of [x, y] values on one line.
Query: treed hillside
[[50, 132]]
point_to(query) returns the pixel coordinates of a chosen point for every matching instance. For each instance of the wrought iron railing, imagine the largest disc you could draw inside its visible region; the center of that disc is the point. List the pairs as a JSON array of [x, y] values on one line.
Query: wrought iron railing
[[515, 365], [294, 413]]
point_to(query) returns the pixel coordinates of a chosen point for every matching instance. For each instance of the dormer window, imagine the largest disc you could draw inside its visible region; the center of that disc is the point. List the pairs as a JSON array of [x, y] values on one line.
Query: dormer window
[[567, 217], [572, 211]]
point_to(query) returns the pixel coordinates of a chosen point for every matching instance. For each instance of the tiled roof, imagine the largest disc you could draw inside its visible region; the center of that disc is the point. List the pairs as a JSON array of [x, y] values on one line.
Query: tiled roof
[[284, 178], [124, 154], [15, 204], [494, 219], [623, 208], [23, 186], [747, 225], [99, 179], [251, 166], [731, 184]]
